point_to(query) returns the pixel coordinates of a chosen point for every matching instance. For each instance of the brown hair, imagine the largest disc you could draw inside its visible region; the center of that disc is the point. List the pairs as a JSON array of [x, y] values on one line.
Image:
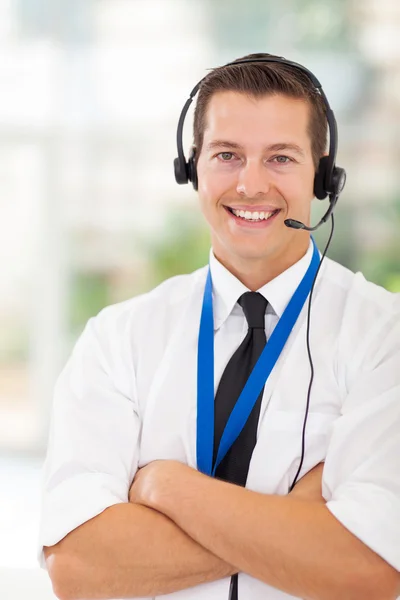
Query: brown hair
[[260, 79]]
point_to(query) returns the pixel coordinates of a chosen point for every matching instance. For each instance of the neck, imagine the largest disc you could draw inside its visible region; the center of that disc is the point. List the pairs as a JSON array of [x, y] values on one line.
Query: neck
[[256, 272]]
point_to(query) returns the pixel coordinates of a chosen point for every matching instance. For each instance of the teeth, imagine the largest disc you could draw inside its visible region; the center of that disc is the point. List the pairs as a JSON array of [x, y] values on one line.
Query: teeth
[[252, 216]]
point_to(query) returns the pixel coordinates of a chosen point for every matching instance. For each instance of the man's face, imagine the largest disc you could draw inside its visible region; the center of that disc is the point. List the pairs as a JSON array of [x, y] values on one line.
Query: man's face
[[256, 157]]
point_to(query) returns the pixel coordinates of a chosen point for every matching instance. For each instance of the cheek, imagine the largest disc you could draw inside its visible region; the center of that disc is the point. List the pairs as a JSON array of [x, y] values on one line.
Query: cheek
[[213, 185], [309, 181], [297, 189], [211, 192]]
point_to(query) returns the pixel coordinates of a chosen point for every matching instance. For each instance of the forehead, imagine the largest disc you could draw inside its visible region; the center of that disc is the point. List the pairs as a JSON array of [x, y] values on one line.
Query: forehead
[[268, 119]]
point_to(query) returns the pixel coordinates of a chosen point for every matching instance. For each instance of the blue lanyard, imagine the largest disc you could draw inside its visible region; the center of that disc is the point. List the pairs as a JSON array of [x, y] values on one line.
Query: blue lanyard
[[256, 380]]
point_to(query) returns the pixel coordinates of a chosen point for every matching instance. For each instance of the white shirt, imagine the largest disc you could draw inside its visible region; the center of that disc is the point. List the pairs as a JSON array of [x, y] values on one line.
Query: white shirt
[[127, 396]]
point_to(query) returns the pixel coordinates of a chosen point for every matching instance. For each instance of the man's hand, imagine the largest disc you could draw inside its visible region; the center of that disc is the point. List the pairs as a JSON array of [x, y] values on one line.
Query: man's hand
[[154, 483], [309, 487]]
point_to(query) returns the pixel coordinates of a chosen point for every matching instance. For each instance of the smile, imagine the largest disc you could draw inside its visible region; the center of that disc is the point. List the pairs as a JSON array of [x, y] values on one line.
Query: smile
[[250, 218]]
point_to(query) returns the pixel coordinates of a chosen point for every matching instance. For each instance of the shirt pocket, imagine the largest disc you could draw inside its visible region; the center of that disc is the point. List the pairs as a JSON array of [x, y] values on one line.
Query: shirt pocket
[[277, 454]]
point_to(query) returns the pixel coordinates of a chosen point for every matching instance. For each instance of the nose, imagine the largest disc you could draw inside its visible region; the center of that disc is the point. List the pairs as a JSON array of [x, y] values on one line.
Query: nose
[[253, 180]]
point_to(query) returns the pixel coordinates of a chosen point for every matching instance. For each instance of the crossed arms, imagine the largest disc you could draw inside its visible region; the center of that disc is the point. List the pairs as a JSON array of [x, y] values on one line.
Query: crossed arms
[[182, 528]]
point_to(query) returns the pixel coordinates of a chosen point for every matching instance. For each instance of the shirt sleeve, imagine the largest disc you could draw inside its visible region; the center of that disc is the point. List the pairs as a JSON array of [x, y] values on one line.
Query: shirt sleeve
[[92, 453], [361, 478]]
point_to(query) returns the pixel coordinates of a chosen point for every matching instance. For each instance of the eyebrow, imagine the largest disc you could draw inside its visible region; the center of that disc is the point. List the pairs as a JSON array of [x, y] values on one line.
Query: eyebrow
[[272, 147]]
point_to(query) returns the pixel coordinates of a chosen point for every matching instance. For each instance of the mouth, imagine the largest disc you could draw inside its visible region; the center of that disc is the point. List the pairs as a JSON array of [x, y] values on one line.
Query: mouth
[[252, 218]]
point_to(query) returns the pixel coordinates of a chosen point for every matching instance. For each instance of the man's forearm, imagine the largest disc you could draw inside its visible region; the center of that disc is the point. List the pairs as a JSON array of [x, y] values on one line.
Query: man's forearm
[[127, 551], [288, 542]]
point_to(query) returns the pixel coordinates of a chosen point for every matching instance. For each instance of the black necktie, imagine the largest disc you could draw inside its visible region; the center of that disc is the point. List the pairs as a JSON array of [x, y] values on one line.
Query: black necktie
[[235, 465]]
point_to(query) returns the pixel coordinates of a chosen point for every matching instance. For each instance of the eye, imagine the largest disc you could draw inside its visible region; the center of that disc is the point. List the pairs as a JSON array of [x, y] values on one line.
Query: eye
[[282, 160], [225, 156]]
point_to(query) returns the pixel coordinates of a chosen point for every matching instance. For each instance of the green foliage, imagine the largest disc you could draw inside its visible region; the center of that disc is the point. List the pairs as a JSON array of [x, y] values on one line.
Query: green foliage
[[383, 265]]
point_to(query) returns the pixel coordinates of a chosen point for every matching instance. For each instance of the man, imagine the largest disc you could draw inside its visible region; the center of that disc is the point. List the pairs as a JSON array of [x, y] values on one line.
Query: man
[[126, 512]]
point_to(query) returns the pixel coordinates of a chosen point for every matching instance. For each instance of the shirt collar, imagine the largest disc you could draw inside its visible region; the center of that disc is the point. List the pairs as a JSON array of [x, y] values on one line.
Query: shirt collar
[[227, 289]]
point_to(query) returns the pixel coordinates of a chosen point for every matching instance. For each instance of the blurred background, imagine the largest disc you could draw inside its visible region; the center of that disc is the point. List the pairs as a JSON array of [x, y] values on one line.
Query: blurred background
[[90, 95]]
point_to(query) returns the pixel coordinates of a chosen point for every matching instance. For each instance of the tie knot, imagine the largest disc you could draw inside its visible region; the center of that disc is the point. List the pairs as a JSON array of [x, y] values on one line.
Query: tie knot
[[254, 306]]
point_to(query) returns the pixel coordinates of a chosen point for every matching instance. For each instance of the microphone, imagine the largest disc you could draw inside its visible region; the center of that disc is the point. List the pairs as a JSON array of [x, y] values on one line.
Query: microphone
[[293, 224], [299, 225]]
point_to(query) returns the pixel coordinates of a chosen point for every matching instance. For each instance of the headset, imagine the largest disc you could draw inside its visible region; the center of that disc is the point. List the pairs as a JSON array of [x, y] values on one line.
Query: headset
[[329, 179]]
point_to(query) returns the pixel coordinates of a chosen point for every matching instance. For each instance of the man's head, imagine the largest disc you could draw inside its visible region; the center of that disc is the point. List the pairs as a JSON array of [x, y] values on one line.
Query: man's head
[[259, 132]]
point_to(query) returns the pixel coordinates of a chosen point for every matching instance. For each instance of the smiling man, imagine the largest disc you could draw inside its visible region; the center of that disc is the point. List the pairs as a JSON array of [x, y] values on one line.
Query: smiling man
[[189, 454]]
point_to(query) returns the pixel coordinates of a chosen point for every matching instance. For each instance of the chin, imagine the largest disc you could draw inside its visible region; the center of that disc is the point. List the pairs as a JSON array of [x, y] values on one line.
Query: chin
[[253, 248], [252, 253]]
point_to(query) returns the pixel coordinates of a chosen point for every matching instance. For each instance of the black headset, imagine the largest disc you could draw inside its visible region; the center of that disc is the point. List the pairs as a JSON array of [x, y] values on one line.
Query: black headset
[[329, 179]]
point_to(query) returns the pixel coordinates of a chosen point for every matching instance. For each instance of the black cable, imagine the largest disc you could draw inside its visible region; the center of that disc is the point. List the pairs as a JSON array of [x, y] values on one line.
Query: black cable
[[303, 440]]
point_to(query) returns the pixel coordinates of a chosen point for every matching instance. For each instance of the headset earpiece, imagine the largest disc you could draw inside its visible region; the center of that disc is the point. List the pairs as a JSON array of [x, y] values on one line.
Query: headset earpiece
[[191, 167], [320, 188], [186, 171], [181, 171], [338, 180], [323, 185]]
